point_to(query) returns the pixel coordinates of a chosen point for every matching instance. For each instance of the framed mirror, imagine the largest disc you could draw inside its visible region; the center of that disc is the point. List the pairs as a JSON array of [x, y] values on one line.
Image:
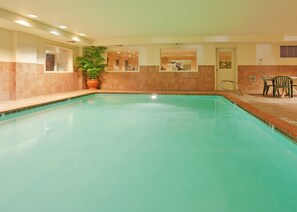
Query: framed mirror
[[122, 61], [178, 60], [58, 59]]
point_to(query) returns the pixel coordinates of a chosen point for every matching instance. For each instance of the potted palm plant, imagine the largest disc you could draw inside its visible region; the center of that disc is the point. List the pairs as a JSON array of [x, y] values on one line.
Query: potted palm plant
[[92, 64]]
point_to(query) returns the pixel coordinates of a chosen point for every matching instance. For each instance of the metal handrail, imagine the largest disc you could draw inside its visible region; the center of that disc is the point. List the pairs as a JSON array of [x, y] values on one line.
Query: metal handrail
[[235, 85]]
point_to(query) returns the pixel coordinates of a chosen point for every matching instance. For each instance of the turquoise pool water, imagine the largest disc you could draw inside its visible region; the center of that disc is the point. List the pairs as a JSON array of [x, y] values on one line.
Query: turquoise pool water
[[115, 153]]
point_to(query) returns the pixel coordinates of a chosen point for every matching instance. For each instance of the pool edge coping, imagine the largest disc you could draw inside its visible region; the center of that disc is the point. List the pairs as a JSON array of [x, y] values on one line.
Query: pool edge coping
[[29, 106], [274, 122]]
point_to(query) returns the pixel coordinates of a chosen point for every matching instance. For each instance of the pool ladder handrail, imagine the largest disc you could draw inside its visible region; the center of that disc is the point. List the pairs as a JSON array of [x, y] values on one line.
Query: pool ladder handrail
[[235, 85]]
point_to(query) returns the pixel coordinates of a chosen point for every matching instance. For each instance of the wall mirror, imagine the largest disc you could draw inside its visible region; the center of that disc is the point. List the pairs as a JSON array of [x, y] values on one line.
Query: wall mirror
[[122, 61], [178, 60], [58, 59]]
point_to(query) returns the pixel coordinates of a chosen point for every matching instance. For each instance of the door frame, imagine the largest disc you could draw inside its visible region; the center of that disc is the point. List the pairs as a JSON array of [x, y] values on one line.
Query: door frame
[[216, 62]]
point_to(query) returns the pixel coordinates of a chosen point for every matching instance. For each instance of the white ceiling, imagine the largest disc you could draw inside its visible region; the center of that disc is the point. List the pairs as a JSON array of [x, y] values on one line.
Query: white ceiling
[[160, 21]]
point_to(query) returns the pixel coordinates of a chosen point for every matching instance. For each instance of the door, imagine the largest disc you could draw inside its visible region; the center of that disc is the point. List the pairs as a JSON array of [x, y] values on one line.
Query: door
[[225, 67], [50, 62]]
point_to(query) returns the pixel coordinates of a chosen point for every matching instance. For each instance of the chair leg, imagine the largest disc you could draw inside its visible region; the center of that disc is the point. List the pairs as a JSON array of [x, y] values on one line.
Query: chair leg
[[274, 92], [267, 88], [264, 89]]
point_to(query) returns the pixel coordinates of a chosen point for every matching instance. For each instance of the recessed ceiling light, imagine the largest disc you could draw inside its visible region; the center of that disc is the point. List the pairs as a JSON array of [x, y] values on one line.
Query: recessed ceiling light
[[22, 22], [32, 16], [76, 39], [55, 33], [63, 27], [82, 34]]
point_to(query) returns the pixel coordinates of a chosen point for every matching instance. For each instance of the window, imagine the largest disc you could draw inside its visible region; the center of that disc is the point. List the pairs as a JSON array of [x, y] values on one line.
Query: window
[[58, 59], [178, 60], [122, 61], [225, 60]]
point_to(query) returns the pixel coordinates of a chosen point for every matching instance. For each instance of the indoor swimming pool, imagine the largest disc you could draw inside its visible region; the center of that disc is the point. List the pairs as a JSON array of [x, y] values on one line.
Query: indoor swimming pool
[[126, 153]]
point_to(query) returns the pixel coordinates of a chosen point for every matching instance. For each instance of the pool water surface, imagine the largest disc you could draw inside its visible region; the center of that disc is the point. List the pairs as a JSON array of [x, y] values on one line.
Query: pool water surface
[[117, 153]]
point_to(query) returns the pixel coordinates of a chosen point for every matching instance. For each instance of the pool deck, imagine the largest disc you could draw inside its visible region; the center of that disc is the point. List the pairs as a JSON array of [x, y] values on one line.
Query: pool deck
[[279, 113]]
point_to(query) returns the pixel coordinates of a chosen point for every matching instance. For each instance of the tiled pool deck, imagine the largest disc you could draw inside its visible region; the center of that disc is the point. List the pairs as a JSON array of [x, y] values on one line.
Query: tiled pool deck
[[279, 113]]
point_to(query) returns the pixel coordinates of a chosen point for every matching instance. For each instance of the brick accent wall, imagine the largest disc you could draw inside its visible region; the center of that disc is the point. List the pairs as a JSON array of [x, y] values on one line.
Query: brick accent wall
[[150, 78], [246, 72]]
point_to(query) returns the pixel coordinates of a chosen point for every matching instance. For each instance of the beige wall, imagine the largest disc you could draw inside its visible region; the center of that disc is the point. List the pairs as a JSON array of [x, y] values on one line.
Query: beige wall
[[6, 42], [22, 58], [22, 62], [246, 53], [26, 48]]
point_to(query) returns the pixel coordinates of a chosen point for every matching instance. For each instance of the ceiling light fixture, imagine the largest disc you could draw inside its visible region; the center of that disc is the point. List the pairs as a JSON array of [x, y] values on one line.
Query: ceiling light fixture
[[76, 39], [22, 22], [32, 16], [55, 33], [82, 34], [63, 27]]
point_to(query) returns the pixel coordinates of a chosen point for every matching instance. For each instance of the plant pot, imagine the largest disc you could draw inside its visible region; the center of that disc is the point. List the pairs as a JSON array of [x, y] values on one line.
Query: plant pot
[[92, 84]]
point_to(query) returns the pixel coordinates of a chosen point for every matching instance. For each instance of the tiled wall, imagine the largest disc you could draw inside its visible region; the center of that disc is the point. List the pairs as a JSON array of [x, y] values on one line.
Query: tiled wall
[[7, 81], [25, 80], [41, 83], [249, 76], [150, 78]]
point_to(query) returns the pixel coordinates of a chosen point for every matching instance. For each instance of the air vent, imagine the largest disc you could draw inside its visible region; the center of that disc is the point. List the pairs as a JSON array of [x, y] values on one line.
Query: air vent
[[288, 51], [71, 41]]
